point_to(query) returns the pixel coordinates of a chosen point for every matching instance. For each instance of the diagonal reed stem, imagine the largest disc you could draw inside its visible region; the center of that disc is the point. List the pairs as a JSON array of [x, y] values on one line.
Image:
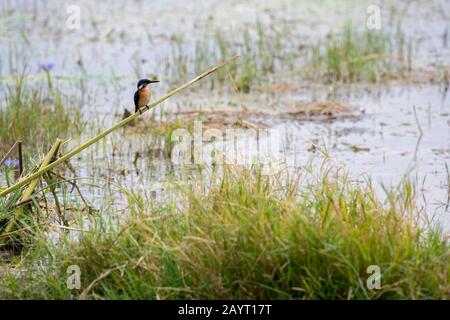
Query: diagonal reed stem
[[29, 191], [48, 158], [100, 136]]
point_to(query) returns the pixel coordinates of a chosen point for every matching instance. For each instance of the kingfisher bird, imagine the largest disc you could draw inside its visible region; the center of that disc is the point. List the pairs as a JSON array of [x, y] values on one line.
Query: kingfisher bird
[[143, 94]]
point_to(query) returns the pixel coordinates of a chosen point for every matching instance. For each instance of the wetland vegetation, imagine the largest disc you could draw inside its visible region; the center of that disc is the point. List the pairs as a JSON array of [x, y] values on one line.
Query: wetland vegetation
[[362, 182]]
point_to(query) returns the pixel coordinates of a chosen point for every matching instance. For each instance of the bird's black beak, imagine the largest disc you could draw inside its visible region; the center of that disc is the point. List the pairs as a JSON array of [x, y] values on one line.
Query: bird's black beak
[[153, 81]]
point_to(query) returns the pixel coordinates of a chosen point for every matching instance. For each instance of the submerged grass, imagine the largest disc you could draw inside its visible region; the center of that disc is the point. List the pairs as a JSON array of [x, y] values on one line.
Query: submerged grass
[[248, 237]]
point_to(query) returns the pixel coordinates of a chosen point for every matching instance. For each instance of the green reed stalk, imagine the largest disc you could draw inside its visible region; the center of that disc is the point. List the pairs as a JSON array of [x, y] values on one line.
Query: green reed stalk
[[29, 191]]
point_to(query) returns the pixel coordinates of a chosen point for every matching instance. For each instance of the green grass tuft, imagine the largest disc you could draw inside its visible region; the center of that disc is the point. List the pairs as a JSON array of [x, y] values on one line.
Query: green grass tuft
[[250, 237], [36, 117], [352, 56]]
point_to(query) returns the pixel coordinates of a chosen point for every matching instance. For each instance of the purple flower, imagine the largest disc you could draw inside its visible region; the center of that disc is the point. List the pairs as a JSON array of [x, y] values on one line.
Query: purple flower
[[46, 66], [11, 163]]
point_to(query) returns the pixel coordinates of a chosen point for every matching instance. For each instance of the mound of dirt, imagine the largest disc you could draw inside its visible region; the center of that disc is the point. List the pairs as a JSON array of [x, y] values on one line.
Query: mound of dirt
[[320, 108]]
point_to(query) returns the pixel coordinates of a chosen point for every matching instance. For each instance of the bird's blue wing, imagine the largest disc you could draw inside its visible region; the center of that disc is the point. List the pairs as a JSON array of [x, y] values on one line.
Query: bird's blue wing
[[136, 101]]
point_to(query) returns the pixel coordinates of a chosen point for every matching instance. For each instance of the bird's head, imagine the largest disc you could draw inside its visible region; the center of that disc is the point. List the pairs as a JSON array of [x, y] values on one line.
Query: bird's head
[[145, 82]]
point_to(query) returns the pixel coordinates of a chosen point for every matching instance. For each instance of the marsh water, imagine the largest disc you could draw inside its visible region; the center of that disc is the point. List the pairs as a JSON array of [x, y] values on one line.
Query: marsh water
[[398, 128]]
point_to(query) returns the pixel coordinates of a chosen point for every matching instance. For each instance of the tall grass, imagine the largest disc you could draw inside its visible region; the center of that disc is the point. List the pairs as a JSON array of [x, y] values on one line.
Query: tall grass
[[248, 237], [352, 56], [258, 49], [348, 56], [36, 116]]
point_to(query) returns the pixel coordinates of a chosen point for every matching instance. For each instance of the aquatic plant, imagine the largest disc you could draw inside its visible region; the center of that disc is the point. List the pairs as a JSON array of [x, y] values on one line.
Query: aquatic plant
[[248, 237], [258, 54], [352, 56], [12, 163], [36, 117], [347, 55]]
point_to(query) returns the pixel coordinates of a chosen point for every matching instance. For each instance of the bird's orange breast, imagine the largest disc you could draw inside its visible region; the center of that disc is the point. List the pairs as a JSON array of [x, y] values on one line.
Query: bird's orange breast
[[144, 96]]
